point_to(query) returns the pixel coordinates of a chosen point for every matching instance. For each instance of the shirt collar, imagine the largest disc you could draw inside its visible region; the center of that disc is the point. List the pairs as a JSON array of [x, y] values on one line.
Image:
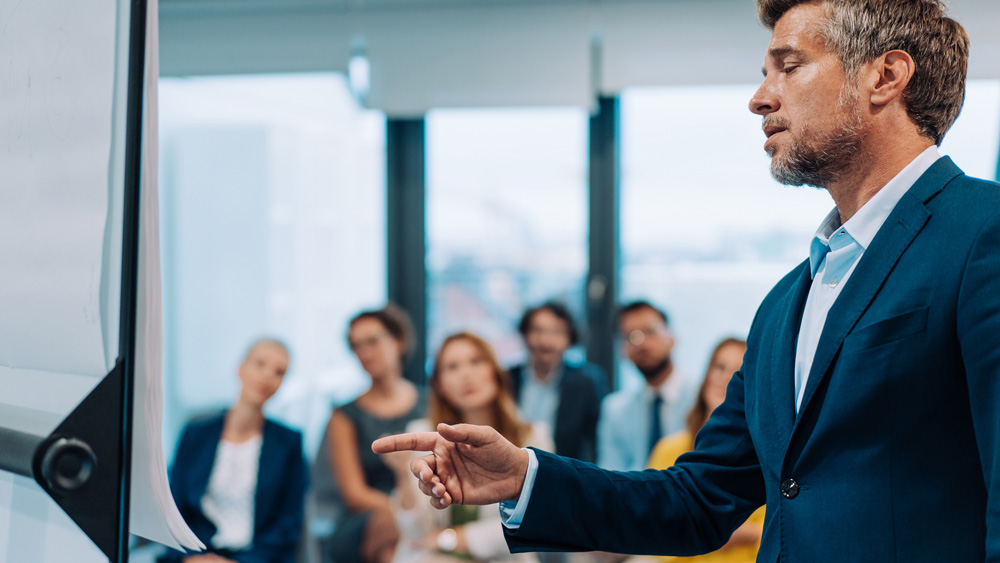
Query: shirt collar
[[532, 378], [865, 224], [670, 390]]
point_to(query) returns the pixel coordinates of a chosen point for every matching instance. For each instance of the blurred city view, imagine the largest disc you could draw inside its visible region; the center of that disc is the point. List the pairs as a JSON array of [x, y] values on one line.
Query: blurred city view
[[273, 222]]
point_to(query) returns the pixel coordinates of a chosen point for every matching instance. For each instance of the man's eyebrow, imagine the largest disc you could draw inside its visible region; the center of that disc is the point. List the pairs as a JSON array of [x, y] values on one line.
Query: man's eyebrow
[[780, 53], [783, 51]]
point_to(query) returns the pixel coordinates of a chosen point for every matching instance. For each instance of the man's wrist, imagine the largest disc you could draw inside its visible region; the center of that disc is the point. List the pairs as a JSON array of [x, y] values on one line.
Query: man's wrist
[[511, 511], [524, 460]]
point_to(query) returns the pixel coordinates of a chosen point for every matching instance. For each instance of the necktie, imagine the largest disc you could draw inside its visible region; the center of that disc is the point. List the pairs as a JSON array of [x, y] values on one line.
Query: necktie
[[655, 425], [839, 254], [835, 257]]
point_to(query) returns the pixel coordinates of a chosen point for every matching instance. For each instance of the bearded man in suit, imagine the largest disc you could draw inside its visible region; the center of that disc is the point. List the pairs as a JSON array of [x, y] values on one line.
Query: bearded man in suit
[[865, 413]]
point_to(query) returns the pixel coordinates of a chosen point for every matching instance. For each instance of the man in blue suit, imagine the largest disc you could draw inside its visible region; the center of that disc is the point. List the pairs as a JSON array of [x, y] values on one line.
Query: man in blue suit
[[866, 414]]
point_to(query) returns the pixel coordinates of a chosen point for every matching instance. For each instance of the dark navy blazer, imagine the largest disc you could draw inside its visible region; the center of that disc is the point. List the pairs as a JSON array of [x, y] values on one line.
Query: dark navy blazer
[[281, 485], [894, 453], [575, 434]]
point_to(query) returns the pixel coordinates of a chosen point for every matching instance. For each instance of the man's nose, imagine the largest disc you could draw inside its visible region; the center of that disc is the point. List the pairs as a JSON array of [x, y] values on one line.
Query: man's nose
[[764, 101]]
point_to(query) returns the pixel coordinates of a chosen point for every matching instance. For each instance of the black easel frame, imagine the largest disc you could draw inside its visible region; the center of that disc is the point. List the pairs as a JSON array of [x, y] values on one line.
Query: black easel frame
[[85, 465], [130, 264]]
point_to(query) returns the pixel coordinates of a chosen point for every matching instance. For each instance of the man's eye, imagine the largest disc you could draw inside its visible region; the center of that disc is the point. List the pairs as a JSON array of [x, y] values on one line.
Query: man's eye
[[789, 69]]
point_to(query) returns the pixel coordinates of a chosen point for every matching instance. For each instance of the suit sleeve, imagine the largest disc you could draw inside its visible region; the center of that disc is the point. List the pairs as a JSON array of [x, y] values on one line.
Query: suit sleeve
[[689, 509], [277, 543], [979, 337]]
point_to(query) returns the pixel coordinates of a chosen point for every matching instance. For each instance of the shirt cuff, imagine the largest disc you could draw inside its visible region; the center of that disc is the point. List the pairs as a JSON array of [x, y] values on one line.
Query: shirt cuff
[[511, 513]]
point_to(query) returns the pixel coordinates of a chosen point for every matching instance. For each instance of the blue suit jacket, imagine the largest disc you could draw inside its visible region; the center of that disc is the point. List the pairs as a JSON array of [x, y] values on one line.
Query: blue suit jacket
[[894, 451], [575, 434], [281, 485]]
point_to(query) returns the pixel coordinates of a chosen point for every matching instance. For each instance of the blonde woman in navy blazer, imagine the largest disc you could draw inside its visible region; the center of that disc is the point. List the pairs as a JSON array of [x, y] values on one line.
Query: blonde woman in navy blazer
[[272, 531]]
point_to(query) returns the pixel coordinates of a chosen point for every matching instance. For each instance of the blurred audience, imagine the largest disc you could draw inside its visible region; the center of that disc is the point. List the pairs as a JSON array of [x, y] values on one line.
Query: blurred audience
[[726, 360], [364, 528], [633, 420], [567, 398], [238, 478], [467, 386]]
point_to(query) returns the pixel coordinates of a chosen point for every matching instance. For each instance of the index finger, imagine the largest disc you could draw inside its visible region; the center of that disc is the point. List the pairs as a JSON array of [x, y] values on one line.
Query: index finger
[[417, 442]]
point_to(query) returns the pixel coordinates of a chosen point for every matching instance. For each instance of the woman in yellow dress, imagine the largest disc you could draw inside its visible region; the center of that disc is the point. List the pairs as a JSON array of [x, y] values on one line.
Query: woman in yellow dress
[[726, 359]]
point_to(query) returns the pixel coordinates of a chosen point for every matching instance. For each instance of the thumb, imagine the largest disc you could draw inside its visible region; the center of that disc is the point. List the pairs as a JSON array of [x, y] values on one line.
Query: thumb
[[467, 434]]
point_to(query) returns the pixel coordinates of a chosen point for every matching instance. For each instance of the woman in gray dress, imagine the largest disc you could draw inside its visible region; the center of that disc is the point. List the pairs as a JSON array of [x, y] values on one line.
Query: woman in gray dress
[[365, 529]]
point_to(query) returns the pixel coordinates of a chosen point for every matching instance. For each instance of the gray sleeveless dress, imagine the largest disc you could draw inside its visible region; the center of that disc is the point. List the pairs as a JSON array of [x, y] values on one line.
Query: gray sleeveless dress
[[343, 544]]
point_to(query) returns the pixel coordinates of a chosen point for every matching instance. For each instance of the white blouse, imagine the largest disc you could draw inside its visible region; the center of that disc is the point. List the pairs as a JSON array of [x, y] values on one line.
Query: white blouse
[[229, 499]]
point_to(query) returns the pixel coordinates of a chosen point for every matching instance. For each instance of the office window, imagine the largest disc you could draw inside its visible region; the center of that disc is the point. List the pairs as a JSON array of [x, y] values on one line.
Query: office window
[[506, 219], [973, 142], [705, 230], [272, 206]]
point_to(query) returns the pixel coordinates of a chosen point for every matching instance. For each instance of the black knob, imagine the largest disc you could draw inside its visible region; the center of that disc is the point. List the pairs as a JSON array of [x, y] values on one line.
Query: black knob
[[789, 488], [68, 464]]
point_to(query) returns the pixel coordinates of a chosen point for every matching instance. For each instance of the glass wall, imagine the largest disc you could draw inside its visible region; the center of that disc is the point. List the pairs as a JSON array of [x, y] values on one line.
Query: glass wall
[[705, 230], [273, 206], [506, 219], [974, 141], [273, 221]]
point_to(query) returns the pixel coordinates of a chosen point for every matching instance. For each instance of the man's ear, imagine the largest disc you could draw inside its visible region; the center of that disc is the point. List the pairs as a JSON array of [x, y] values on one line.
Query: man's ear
[[894, 70]]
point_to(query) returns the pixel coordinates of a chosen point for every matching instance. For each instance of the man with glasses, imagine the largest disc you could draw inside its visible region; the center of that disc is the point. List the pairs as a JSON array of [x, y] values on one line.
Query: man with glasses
[[634, 419]]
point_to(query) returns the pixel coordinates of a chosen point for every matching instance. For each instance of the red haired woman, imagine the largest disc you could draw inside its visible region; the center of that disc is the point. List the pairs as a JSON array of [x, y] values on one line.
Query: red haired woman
[[468, 386]]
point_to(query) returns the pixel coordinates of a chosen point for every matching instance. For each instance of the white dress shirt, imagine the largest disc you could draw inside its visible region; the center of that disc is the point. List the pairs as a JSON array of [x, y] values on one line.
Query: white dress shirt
[[232, 488], [846, 244]]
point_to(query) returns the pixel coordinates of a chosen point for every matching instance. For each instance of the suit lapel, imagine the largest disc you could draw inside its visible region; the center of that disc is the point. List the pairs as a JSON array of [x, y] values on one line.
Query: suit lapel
[[515, 382], [565, 410], [268, 470], [202, 471], [782, 381], [900, 228]]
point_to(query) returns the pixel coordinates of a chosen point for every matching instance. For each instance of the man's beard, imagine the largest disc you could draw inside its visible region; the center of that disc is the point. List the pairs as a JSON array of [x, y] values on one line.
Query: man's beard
[[817, 158], [651, 372]]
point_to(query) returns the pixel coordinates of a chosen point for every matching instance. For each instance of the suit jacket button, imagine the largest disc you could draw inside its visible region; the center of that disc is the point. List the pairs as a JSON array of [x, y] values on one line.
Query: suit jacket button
[[789, 488]]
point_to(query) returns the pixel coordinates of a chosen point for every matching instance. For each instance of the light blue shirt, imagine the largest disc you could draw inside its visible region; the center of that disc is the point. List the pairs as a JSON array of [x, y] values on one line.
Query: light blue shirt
[[623, 428], [830, 272], [540, 399], [835, 252], [512, 513]]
